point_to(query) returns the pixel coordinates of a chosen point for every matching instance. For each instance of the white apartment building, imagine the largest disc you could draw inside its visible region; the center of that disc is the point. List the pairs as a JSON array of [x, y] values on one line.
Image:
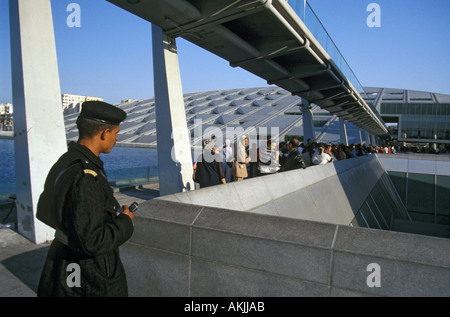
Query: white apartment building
[[6, 108], [70, 101]]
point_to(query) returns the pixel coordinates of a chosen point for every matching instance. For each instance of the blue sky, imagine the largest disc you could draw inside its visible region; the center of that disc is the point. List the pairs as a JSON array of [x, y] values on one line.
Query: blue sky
[[110, 55]]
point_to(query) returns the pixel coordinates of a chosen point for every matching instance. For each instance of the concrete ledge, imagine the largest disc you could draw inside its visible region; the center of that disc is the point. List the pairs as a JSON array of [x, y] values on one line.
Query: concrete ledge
[[7, 135], [184, 250], [435, 164], [411, 265]]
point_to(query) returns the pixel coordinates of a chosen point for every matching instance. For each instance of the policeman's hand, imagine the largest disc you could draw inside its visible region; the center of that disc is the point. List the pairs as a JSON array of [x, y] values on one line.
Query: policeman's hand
[[127, 211]]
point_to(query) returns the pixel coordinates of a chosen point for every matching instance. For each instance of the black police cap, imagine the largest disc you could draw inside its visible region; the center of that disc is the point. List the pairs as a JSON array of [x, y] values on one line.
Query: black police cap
[[102, 112]]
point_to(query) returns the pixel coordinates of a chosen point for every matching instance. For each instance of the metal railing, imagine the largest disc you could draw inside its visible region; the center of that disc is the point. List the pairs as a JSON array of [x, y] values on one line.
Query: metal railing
[[315, 26], [133, 176], [116, 177]]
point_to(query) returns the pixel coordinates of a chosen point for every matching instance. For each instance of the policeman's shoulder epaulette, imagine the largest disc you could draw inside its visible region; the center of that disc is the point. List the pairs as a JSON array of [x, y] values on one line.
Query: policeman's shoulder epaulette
[[91, 172]]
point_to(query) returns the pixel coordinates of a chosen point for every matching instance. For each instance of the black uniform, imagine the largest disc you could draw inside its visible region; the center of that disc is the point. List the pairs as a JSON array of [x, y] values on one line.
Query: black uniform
[[79, 203]]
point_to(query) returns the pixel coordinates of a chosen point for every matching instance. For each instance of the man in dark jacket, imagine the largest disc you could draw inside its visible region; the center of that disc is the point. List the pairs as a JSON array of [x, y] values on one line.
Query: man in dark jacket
[[208, 168], [294, 159], [79, 204]]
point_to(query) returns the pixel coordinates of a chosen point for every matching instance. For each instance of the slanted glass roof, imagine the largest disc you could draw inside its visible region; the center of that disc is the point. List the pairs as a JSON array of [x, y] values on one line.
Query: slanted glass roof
[[267, 107]]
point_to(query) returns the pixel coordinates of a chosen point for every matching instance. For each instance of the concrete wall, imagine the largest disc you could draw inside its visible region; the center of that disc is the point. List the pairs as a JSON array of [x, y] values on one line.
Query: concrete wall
[[435, 164], [186, 250], [326, 193], [194, 244]]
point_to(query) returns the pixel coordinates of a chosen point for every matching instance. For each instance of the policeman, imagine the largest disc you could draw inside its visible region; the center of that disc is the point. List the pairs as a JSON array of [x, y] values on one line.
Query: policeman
[[79, 204]]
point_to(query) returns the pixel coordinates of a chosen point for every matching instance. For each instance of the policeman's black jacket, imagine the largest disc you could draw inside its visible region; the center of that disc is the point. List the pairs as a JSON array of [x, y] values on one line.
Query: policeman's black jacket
[[79, 203]]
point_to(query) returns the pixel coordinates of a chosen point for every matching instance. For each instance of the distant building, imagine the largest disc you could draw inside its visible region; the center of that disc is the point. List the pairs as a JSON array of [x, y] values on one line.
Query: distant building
[[71, 101], [6, 108], [415, 116], [6, 117]]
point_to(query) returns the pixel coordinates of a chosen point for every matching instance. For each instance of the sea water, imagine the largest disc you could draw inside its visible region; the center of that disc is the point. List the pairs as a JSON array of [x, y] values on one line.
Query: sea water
[[121, 162]]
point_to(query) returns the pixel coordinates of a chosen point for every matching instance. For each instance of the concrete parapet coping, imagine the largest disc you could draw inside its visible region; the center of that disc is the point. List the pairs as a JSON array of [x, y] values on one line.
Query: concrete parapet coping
[[394, 246], [417, 156], [435, 164]]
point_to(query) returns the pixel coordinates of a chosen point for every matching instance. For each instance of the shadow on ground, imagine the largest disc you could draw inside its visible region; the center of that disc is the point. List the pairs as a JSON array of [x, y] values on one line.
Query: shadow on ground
[[27, 267]]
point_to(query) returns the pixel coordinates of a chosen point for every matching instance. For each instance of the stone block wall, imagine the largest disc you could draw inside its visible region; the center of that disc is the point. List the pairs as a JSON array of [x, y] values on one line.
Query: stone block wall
[[184, 250]]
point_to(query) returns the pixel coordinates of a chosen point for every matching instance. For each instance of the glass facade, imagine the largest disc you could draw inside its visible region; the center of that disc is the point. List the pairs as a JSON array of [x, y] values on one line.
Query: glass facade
[[420, 120], [442, 199], [382, 207], [407, 196], [435, 109], [425, 196]]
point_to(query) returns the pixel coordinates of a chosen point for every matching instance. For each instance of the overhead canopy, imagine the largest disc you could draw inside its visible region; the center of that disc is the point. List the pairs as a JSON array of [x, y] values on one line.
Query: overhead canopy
[[268, 39]]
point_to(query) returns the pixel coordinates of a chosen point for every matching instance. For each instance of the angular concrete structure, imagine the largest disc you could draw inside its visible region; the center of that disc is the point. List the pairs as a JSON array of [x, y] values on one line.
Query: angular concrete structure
[[175, 174], [287, 234], [325, 193]]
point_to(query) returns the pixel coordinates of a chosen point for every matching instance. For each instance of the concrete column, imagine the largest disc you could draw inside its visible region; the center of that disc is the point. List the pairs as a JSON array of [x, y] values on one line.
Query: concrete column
[[308, 124], [174, 148], [343, 131], [373, 138], [367, 137], [434, 145], [360, 137], [39, 133]]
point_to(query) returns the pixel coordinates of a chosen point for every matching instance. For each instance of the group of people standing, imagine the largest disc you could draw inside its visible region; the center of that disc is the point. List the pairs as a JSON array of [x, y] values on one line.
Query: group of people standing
[[228, 163], [220, 165], [314, 153]]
